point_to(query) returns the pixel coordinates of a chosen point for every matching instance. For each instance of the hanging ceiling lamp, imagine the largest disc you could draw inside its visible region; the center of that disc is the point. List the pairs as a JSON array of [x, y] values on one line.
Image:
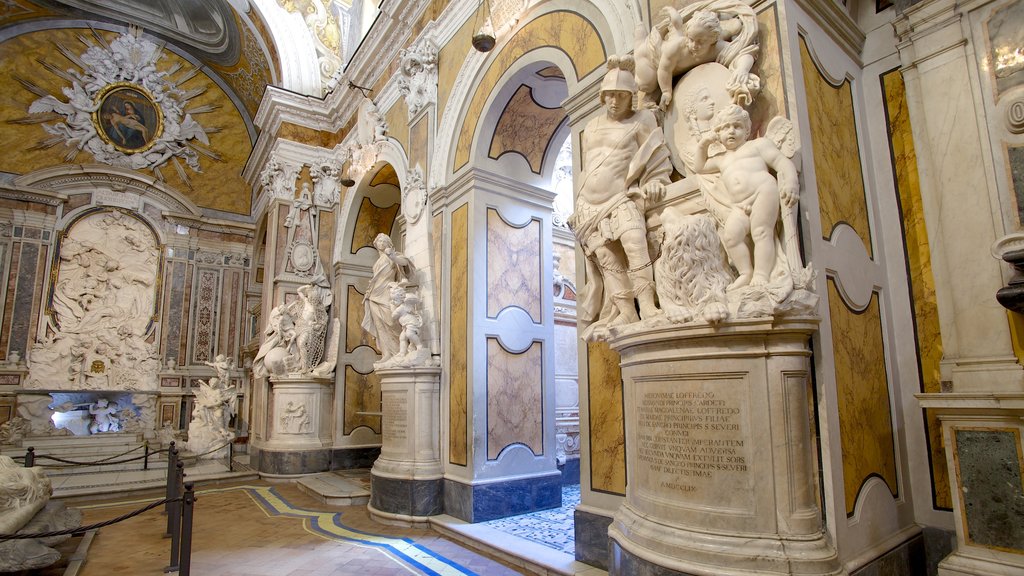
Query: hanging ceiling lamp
[[483, 40]]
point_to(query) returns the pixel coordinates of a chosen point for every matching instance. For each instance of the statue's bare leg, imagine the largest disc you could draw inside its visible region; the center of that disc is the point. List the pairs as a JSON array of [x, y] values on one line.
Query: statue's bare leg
[[734, 238], [617, 286], [763, 216]]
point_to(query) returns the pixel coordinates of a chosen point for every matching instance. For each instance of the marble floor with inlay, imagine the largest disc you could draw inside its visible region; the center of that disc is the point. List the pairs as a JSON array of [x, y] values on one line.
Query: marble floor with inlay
[[256, 528]]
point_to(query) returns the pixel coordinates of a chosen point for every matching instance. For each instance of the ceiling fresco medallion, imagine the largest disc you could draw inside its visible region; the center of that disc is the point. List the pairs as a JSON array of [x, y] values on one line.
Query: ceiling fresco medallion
[[121, 108]]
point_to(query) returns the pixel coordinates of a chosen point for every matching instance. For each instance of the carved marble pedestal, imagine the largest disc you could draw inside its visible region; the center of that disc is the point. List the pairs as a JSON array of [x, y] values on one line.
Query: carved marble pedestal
[[720, 476], [298, 427], [982, 436], [406, 480]]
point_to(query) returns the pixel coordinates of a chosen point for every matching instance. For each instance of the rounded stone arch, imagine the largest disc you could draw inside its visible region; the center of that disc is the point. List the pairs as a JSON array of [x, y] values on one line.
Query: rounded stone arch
[[610, 24], [390, 157]]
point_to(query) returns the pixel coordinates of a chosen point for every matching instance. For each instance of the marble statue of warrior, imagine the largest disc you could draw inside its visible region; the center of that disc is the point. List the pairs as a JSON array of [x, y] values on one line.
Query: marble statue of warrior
[[627, 165], [723, 31]]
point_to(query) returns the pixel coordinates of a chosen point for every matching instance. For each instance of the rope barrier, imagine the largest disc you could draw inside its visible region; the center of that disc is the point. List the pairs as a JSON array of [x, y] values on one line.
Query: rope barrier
[[96, 526], [197, 456], [105, 462]]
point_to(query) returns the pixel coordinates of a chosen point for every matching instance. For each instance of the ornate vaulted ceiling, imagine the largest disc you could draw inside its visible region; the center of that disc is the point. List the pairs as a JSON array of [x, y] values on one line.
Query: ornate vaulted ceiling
[[68, 72]]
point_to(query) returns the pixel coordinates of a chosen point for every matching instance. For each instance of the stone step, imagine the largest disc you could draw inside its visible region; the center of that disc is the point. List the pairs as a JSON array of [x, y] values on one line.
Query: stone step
[[335, 490]]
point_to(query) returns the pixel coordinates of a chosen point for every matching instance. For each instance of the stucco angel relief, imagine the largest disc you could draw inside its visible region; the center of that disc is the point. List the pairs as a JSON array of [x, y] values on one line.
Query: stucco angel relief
[[121, 109]]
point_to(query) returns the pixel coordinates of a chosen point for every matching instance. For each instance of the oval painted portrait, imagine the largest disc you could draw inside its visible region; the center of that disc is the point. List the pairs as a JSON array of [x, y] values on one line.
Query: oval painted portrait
[[127, 117]]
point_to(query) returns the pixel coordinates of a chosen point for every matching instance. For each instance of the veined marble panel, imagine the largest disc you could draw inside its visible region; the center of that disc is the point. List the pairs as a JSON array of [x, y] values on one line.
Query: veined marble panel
[[174, 299], [515, 404], [567, 31], [768, 65], [186, 314], [862, 389], [28, 277], [1015, 159], [325, 244], [919, 266], [607, 424], [12, 283], [837, 165], [513, 266], [231, 295], [436, 237], [418, 142], [362, 394], [386, 175], [458, 399], [989, 462], [207, 307], [397, 118], [370, 221], [355, 336], [525, 128], [5, 250]]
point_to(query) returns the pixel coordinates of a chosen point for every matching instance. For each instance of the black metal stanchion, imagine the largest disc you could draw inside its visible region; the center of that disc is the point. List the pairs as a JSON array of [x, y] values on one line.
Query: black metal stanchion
[[188, 499], [30, 457], [174, 518], [145, 459], [172, 460], [231, 456]]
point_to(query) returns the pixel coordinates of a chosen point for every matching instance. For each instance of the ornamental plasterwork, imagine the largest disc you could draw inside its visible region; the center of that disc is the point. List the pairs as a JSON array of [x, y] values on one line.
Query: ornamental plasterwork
[[121, 109], [326, 182], [326, 20], [418, 76], [414, 196], [370, 133], [278, 178]]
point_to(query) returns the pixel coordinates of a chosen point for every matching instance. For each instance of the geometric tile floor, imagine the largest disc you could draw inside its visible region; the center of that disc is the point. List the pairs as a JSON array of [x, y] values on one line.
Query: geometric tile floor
[[552, 528]]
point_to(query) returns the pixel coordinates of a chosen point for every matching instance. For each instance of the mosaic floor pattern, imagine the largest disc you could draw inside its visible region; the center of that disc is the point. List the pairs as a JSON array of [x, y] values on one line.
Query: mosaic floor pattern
[[551, 528]]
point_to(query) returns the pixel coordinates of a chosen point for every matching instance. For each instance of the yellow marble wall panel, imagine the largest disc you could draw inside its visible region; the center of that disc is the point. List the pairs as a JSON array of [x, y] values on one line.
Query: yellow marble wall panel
[[325, 243], [397, 118], [513, 266], [311, 136], [607, 422], [514, 400], [362, 394], [452, 56], [837, 165], [219, 186], [919, 266], [418, 142], [370, 221], [458, 398], [355, 336], [386, 175], [525, 128], [436, 237], [768, 66], [862, 390], [567, 31]]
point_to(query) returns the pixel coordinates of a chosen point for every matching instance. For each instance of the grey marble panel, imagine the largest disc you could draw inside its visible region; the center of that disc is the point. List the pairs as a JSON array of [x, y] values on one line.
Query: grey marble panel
[[409, 497], [1016, 155], [293, 462], [350, 458], [938, 544], [591, 533], [173, 315], [28, 268], [502, 499], [622, 563], [990, 484], [907, 559]]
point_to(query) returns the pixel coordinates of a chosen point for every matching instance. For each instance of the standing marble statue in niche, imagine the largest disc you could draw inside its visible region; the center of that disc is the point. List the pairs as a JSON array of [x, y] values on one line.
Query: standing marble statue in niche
[[723, 31], [390, 268], [749, 195], [627, 166]]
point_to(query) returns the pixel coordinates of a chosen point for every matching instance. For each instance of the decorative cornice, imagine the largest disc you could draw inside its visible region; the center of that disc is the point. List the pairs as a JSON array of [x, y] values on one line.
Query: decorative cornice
[[837, 24], [210, 224], [33, 195], [88, 178]]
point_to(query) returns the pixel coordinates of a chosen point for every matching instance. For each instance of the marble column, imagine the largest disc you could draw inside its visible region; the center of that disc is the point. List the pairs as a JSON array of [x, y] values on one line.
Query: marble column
[[406, 480], [720, 476]]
